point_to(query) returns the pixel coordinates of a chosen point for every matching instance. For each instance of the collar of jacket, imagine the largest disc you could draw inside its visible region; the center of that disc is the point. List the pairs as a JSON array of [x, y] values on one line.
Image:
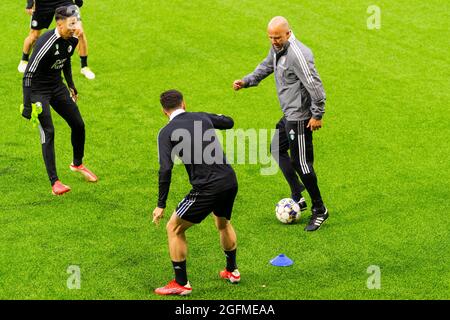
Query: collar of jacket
[[286, 46], [282, 52], [292, 38], [175, 113], [57, 33]]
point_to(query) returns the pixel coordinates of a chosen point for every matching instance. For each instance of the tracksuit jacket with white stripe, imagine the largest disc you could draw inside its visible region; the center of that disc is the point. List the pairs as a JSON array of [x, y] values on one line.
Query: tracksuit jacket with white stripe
[[51, 54], [300, 90]]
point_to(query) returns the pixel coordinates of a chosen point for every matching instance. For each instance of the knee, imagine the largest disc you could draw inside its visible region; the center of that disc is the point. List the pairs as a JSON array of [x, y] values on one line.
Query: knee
[[275, 144], [50, 131], [170, 228], [277, 149], [278, 153], [47, 134], [78, 125], [303, 168], [296, 164], [173, 229]]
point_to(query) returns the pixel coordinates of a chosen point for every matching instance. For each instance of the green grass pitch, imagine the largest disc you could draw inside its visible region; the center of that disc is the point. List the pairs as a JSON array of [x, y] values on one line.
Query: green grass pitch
[[382, 157]]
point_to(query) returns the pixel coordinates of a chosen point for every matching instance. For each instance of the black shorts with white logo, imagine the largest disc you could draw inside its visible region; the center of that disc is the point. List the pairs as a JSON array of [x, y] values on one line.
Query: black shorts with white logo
[[41, 20], [195, 206]]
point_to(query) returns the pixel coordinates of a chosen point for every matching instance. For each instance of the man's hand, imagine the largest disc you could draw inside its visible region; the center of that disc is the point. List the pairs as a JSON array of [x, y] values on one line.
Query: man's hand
[[238, 85], [158, 213], [25, 111], [314, 124], [73, 94], [29, 11]]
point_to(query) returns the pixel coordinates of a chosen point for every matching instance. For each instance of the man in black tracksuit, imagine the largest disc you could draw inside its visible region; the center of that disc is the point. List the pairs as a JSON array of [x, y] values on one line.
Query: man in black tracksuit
[[43, 86], [191, 137]]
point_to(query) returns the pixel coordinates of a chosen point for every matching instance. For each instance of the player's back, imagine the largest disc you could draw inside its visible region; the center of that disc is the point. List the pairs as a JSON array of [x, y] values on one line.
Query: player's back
[[193, 139]]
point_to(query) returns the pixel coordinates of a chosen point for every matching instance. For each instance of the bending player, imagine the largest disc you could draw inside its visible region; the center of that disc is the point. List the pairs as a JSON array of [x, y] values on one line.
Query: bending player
[[214, 185]]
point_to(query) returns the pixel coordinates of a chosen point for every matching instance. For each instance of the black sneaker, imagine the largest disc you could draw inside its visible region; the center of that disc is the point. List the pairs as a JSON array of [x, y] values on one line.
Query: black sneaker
[[319, 215], [302, 204]]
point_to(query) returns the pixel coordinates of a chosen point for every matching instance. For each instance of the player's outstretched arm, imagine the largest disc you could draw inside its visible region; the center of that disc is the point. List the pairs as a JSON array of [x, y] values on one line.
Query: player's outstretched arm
[[220, 121], [262, 71]]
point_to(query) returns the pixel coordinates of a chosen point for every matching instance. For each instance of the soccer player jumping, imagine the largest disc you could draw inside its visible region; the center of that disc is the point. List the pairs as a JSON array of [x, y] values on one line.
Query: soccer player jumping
[[43, 87], [189, 135]]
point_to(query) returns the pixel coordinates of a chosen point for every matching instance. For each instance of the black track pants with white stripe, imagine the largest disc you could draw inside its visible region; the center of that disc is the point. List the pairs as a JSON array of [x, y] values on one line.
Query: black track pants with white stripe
[[302, 157], [279, 149], [59, 99]]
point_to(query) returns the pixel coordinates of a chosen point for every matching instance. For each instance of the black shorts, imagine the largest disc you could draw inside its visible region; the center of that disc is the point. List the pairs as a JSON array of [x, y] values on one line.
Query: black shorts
[[41, 20], [195, 207]]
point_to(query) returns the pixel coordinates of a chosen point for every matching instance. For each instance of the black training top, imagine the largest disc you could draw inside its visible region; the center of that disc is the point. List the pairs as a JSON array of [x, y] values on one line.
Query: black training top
[[191, 137], [46, 6], [50, 54]]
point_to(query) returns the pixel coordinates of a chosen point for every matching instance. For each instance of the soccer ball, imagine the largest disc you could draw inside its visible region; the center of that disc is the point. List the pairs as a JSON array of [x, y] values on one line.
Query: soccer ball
[[287, 211]]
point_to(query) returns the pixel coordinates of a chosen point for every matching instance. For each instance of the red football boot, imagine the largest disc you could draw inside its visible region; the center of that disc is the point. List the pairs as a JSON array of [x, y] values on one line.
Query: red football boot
[[88, 174], [58, 188], [233, 277], [175, 289]]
